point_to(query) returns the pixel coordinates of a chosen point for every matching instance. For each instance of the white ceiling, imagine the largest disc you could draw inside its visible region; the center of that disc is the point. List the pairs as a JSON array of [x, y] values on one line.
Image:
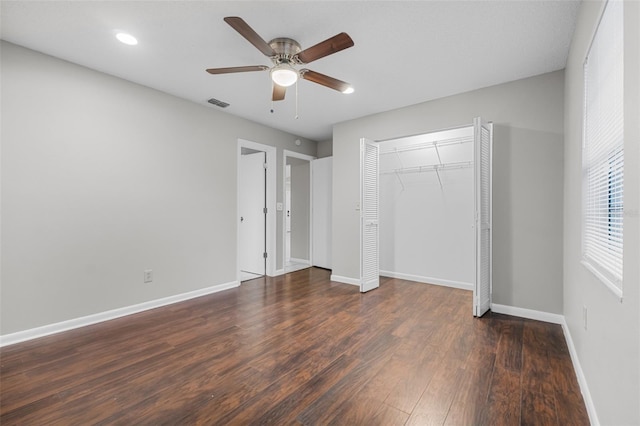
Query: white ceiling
[[405, 52]]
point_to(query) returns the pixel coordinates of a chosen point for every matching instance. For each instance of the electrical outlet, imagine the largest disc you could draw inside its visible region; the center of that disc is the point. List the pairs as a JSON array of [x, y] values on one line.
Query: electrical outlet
[[584, 316], [148, 275]]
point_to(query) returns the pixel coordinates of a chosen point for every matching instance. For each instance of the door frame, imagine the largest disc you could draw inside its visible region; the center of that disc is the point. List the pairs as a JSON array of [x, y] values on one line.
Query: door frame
[[270, 202], [286, 153]]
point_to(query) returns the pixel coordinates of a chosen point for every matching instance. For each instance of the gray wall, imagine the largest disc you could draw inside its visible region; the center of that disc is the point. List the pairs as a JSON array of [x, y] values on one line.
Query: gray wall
[[527, 203], [609, 349], [103, 178], [325, 148]]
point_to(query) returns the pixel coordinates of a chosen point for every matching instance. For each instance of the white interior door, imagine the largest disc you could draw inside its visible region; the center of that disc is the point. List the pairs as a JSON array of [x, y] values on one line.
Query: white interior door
[[483, 146], [298, 194], [252, 216], [287, 199], [321, 176], [287, 215], [369, 205]]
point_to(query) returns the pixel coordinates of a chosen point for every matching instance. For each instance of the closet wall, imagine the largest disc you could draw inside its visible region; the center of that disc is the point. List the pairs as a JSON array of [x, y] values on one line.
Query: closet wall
[[427, 208]]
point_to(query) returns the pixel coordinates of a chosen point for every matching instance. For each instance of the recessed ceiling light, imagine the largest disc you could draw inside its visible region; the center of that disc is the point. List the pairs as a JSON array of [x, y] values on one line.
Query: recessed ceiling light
[[127, 39]]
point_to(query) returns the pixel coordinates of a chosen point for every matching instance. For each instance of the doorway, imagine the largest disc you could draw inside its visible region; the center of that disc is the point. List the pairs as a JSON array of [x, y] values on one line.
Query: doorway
[[297, 211], [253, 218], [256, 210]]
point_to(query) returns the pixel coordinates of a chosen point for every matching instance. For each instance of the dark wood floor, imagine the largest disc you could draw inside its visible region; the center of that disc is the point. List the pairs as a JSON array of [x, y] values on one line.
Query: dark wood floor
[[298, 349]]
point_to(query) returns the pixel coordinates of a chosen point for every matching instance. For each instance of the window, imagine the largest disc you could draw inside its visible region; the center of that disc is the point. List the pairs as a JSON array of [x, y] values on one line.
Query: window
[[603, 150]]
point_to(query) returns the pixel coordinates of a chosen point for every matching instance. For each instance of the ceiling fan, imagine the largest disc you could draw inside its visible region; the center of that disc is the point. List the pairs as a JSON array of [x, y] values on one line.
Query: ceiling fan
[[286, 54]]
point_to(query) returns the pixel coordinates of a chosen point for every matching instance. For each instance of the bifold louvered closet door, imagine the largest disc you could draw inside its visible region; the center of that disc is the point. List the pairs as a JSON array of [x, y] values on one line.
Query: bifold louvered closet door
[[369, 204], [483, 146]]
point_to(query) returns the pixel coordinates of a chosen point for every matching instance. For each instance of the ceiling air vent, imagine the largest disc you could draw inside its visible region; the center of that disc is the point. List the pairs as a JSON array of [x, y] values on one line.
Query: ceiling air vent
[[214, 101]]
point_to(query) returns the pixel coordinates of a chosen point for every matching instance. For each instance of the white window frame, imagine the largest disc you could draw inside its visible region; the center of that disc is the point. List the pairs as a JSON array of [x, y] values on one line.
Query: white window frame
[[603, 151]]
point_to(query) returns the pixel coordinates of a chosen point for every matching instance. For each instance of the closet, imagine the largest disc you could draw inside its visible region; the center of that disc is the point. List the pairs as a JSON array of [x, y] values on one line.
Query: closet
[[433, 209], [427, 208]]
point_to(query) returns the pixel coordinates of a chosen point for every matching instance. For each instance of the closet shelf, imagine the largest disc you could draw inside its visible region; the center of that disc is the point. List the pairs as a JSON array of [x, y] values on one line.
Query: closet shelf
[[429, 168], [428, 145]]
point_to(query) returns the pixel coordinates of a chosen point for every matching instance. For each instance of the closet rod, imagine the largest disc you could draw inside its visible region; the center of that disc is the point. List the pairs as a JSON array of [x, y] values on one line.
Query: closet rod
[[444, 129], [430, 168], [427, 145]]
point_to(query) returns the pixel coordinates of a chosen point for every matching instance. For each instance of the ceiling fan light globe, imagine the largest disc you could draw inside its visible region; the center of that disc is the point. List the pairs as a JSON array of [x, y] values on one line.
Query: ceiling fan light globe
[[284, 75], [348, 90]]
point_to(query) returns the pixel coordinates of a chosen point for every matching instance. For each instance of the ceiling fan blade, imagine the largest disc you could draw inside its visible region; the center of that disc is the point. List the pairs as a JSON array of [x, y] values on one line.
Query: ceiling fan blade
[[278, 92], [237, 69], [325, 80], [328, 47], [252, 37]]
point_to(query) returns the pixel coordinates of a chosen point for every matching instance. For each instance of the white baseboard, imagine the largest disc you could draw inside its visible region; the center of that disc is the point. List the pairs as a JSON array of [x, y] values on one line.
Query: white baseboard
[[278, 273], [582, 380], [345, 280], [46, 330], [527, 313], [428, 280], [303, 261]]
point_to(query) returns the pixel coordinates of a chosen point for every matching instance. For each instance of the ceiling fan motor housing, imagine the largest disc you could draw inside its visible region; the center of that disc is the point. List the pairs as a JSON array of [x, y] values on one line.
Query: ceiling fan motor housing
[[286, 49]]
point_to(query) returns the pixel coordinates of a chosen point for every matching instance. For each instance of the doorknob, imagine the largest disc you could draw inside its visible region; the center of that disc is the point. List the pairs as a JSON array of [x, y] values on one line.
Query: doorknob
[[241, 219]]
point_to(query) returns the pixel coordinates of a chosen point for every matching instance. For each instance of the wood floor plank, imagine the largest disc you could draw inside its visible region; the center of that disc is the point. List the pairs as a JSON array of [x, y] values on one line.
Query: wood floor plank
[[536, 374], [388, 416], [435, 401], [363, 406], [503, 404], [538, 409], [324, 408], [294, 349], [567, 392], [469, 406], [509, 346], [289, 407], [407, 392]]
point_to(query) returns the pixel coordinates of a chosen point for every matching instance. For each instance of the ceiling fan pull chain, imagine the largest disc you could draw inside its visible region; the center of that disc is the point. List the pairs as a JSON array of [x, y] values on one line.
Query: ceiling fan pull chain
[[296, 99], [271, 106]]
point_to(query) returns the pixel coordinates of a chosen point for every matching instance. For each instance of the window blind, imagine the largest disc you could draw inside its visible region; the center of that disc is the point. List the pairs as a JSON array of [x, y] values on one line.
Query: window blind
[[603, 150]]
